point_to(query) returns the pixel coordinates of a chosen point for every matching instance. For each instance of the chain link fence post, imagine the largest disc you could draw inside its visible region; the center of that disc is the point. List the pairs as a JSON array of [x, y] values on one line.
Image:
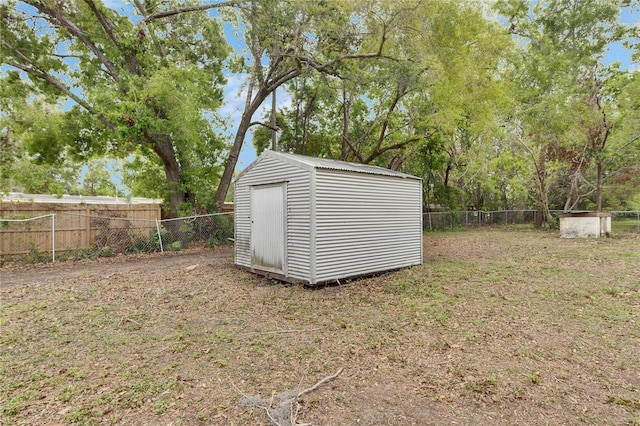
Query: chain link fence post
[[53, 238], [159, 236]]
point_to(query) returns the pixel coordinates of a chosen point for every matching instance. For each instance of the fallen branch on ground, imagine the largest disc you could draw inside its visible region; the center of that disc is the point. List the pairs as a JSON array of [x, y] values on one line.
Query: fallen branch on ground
[[282, 409], [254, 333]]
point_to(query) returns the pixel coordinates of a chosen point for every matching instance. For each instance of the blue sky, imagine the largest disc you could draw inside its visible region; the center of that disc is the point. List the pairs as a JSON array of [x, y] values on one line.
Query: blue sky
[[616, 51]]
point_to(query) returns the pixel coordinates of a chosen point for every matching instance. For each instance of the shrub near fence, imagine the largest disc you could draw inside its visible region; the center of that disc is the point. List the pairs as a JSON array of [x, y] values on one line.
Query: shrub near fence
[[42, 239]]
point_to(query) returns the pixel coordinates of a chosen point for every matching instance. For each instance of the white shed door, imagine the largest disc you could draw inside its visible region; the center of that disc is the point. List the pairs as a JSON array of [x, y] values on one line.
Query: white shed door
[[268, 231]]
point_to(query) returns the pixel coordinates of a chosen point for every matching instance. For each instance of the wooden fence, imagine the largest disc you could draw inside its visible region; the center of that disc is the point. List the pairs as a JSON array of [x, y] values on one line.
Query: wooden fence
[[77, 226]]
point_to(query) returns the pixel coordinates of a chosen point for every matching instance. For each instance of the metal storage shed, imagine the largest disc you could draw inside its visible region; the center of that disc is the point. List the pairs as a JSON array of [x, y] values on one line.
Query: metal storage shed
[[312, 220]]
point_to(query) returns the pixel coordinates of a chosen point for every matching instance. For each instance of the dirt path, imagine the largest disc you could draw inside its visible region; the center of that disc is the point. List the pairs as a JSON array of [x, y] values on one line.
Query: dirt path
[[104, 267]]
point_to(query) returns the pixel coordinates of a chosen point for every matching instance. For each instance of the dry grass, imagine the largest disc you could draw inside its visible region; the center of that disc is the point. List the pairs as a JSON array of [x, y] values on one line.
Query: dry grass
[[497, 327]]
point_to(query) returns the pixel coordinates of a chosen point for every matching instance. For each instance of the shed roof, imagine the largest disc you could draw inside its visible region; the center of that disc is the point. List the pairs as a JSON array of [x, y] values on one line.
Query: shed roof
[[308, 163]]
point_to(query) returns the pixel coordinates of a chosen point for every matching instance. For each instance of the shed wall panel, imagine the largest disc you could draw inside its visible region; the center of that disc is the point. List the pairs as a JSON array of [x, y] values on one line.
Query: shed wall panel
[[267, 171], [366, 223]]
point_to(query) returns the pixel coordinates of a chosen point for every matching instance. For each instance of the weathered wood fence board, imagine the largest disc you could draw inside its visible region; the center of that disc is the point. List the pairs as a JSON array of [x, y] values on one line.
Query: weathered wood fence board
[[77, 226]]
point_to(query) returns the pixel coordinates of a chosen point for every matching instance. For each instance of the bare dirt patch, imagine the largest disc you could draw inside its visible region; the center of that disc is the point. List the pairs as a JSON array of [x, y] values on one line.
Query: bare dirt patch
[[497, 327]]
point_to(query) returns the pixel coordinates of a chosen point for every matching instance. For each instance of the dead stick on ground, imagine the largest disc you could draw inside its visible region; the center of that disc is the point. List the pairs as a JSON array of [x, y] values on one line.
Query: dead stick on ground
[[286, 402], [253, 333], [320, 383], [327, 379]]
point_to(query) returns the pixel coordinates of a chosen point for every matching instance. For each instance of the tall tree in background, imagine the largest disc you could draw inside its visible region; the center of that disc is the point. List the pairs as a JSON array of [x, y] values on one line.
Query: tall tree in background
[[434, 91], [149, 86], [427, 86], [24, 127], [622, 160], [563, 42], [286, 38]]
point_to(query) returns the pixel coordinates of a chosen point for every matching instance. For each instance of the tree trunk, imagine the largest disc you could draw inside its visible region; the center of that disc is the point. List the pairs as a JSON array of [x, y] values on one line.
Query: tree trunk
[[539, 216], [232, 160], [305, 135], [165, 151], [447, 173], [234, 153], [599, 184], [544, 214], [574, 192], [346, 111], [479, 203]]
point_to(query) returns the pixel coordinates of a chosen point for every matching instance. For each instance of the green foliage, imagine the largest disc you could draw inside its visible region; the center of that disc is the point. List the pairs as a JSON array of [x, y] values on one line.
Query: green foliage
[[422, 112], [155, 240], [19, 402], [151, 90], [97, 180], [561, 118], [175, 246], [491, 111], [141, 245], [221, 231], [144, 177], [36, 256], [486, 385]]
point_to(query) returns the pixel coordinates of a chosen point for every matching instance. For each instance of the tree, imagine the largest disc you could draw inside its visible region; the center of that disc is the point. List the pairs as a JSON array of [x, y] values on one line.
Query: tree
[[25, 126], [621, 176], [147, 80], [439, 70], [96, 180], [286, 38], [562, 43]]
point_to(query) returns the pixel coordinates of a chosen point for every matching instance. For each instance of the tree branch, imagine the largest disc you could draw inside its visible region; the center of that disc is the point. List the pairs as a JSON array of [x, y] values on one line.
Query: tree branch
[[172, 12], [398, 145], [283, 409], [260, 123], [320, 383], [106, 25], [283, 78], [132, 62], [141, 32], [385, 124], [64, 89], [57, 55], [324, 68], [354, 150], [57, 16]]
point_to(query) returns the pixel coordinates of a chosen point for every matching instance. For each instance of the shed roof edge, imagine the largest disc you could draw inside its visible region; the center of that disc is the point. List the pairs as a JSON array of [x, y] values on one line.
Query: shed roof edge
[[312, 163]]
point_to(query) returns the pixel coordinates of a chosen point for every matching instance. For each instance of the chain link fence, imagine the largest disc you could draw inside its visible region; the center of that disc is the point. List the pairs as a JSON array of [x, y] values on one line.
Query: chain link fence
[[63, 236], [440, 221], [622, 221]]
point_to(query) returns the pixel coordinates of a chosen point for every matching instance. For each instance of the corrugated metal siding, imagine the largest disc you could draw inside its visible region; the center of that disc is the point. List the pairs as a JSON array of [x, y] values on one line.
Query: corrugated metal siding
[[366, 223], [324, 163], [269, 170]]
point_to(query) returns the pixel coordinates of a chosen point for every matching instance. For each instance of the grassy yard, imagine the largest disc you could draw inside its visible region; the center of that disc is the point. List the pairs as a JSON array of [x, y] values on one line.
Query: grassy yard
[[625, 227], [498, 327]]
